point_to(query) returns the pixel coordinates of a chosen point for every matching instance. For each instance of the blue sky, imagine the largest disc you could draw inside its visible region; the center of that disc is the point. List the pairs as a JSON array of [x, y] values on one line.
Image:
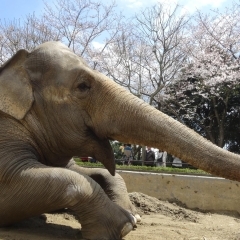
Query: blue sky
[[10, 9]]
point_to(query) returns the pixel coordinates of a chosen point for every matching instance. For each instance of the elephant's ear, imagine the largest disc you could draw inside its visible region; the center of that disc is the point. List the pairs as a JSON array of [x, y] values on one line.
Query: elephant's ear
[[16, 96]]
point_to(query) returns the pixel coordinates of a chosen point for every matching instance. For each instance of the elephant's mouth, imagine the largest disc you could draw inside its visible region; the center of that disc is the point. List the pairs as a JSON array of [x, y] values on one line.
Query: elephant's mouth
[[101, 150]]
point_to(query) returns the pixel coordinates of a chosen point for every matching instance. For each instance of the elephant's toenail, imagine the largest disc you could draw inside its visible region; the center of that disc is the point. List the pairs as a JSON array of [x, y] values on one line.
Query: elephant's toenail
[[137, 216], [126, 229]]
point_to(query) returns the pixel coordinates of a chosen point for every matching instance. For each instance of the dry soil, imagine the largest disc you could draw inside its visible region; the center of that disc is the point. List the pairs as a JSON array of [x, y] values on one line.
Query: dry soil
[[161, 220]]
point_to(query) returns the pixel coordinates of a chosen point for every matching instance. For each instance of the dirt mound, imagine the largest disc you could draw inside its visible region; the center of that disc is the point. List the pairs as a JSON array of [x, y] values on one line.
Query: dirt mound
[[161, 220], [147, 205]]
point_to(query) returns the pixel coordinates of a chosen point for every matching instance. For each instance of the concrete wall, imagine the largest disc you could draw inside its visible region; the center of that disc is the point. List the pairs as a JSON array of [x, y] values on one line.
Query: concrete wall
[[205, 193]]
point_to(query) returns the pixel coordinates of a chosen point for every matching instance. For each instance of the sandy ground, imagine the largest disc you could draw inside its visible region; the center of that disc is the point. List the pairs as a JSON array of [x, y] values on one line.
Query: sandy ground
[[160, 220]]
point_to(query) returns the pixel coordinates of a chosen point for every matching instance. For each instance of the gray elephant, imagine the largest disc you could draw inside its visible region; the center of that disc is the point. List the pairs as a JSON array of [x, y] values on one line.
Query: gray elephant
[[53, 107]]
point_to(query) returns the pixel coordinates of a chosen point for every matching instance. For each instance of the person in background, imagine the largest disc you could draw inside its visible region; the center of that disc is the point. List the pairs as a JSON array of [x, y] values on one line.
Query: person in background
[[127, 154], [92, 160], [159, 158], [121, 148], [150, 157], [164, 159], [177, 163]]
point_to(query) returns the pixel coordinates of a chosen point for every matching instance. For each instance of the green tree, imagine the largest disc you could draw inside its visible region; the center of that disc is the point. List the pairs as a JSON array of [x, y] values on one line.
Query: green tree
[[215, 117]]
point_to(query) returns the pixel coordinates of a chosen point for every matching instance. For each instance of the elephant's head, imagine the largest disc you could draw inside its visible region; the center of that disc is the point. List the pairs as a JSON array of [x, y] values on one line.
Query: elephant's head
[[71, 109]]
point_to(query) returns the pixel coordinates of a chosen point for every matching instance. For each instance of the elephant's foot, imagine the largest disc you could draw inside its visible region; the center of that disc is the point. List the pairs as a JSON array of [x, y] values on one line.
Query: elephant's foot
[[110, 231], [126, 204], [113, 186], [126, 229], [113, 225]]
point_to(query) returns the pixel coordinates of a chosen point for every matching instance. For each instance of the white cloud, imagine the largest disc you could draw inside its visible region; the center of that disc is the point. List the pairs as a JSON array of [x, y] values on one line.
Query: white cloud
[[189, 5], [97, 45], [134, 3]]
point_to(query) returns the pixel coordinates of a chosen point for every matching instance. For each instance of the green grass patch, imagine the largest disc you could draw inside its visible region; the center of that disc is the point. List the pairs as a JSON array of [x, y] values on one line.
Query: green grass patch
[[146, 169]]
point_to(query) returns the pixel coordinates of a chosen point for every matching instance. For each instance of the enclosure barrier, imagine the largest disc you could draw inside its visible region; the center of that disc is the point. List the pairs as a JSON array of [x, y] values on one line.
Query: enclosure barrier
[[196, 192]]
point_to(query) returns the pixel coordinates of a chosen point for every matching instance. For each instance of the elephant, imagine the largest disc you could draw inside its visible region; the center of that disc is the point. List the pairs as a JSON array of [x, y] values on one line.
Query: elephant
[[53, 106]]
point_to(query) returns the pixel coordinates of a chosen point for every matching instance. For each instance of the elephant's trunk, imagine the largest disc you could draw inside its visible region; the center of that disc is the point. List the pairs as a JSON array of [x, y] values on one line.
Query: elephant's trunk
[[126, 118]]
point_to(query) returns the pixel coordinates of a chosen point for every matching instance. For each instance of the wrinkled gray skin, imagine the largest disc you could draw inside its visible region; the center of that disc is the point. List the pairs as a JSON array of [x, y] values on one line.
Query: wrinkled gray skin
[[53, 107]]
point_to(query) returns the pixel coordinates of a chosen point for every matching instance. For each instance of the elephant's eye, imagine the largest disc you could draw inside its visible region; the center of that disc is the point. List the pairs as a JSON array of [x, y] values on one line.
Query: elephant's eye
[[83, 87]]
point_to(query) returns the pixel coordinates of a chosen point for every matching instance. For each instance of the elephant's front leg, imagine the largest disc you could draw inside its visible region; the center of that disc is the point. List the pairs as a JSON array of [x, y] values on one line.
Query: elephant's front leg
[[41, 189], [113, 186]]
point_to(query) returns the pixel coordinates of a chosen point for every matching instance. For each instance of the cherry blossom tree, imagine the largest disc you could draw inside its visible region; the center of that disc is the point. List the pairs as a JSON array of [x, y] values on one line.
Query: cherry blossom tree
[[78, 24], [146, 54], [123, 61], [23, 34], [210, 79], [82, 24]]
